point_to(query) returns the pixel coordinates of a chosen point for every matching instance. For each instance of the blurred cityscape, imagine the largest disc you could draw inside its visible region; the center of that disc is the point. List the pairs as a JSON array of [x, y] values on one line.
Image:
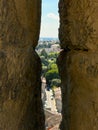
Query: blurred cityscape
[[52, 105], [48, 49]]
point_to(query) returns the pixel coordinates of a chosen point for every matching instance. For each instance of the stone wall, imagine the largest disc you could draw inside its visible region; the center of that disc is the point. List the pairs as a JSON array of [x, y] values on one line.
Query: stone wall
[[78, 64], [20, 66]]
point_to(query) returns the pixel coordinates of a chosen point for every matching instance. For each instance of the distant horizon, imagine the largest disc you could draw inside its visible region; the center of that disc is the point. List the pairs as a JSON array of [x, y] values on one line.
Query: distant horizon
[[48, 38]]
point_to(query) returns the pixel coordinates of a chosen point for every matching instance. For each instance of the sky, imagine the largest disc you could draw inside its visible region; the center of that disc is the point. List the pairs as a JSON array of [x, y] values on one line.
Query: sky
[[49, 19]]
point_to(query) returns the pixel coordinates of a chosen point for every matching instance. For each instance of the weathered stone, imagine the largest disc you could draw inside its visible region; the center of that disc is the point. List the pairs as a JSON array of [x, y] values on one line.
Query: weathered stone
[[79, 75], [20, 66], [78, 24], [20, 98], [78, 64], [20, 21]]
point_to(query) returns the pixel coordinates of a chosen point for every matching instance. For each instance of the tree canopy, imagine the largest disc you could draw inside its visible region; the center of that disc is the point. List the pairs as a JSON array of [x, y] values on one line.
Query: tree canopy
[[49, 67]]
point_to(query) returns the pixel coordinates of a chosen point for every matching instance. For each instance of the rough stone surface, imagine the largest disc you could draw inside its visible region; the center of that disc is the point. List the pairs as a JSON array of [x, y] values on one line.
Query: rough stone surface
[[79, 74], [20, 66], [78, 64], [20, 21], [79, 24]]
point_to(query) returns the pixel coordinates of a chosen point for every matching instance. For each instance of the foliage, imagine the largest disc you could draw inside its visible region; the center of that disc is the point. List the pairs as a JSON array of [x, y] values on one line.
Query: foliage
[[51, 74], [49, 67], [44, 61], [53, 55], [44, 70], [44, 53], [53, 66], [55, 82]]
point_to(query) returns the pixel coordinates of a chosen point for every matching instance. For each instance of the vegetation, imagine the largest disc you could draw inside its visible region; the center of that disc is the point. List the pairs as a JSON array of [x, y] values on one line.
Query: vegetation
[[49, 67]]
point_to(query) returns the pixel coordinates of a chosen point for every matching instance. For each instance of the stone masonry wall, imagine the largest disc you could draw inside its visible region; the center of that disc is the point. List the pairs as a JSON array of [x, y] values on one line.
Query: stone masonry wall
[[20, 66], [78, 64]]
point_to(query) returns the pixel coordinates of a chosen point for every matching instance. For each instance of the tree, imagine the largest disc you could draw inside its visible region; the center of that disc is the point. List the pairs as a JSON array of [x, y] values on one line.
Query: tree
[[44, 70], [44, 61], [51, 74], [44, 53], [55, 82], [53, 55]]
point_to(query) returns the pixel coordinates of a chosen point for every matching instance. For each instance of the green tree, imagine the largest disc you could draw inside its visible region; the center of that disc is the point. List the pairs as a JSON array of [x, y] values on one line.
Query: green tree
[[44, 60], [44, 70], [51, 74], [53, 55], [44, 53], [55, 82]]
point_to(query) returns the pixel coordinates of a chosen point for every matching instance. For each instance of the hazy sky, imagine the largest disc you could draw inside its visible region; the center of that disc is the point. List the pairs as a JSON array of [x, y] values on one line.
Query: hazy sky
[[50, 18]]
